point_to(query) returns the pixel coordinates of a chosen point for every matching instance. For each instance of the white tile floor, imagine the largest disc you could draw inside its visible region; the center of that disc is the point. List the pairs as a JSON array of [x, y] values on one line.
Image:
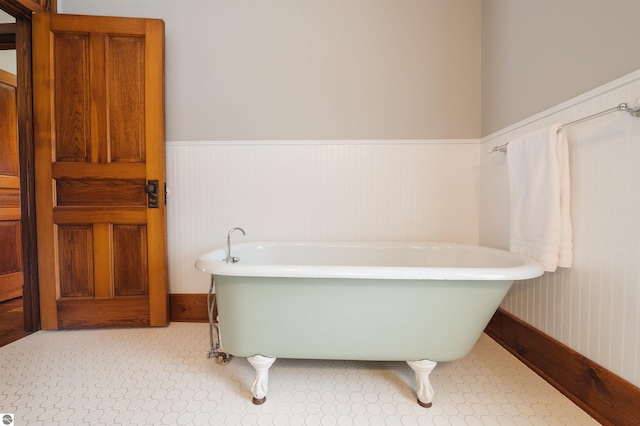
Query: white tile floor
[[162, 376]]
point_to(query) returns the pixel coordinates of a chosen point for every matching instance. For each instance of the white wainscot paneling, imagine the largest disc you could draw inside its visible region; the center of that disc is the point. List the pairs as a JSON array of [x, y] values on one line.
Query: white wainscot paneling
[[369, 190], [593, 307]]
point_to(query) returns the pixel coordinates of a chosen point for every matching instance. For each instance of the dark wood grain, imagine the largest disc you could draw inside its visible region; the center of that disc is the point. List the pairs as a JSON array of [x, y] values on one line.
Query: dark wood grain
[[11, 321], [606, 397], [117, 312], [189, 307]]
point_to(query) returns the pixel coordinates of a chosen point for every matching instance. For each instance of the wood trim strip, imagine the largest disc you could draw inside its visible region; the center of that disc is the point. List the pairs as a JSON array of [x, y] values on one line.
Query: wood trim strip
[[10, 182], [8, 78], [608, 398], [31, 289], [188, 307], [74, 215], [98, 171], [9, 213], [24, 8]]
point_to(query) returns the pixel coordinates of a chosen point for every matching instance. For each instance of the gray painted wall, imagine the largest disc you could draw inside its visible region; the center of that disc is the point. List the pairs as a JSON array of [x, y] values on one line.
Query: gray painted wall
[[315, 69], [389, 69], [539, 53]]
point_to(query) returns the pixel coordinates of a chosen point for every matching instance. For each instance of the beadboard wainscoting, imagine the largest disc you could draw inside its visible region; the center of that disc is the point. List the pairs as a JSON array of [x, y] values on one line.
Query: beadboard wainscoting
[[405, 190], [593, 307]]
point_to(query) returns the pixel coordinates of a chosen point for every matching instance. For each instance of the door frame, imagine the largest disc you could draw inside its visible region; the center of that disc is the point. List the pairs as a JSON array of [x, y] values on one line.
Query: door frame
[[22, 10]]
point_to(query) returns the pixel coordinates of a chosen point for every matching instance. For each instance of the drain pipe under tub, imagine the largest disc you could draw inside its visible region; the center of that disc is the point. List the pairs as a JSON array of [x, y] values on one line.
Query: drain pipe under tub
[[214, 351]]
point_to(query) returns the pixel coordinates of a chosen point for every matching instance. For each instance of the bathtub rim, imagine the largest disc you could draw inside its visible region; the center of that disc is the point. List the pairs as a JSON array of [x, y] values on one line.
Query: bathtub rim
[[212, 262]]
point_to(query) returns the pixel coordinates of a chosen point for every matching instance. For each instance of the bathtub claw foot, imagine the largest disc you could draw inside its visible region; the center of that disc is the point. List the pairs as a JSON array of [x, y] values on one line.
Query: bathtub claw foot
[[261, 384], [422, 404], [424, 390], [259, 401]]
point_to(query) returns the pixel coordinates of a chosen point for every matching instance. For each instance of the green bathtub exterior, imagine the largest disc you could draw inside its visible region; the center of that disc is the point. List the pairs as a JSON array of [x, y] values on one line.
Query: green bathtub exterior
[[354, 319]]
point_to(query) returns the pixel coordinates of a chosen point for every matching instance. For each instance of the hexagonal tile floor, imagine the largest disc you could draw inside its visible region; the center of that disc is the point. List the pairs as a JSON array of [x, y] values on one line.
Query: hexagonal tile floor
[[162, 376]]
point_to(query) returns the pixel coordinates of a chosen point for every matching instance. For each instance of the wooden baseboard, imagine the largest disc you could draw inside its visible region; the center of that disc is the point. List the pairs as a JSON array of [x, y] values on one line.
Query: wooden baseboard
[[11, 286], [188, 307], [606, 397]]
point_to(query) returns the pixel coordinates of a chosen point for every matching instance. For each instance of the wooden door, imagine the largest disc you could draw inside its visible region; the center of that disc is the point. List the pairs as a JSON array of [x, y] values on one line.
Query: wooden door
[[11, 274], [99, 145]]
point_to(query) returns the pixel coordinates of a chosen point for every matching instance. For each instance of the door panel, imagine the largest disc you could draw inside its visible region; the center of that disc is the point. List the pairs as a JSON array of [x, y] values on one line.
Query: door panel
[[125, 87], [11, 273], [75, 260], [105, 192], [99, 135], [129, 247]]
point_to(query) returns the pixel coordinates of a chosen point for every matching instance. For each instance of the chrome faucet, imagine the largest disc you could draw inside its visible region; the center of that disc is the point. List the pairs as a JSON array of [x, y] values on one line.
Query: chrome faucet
[[229, 258]]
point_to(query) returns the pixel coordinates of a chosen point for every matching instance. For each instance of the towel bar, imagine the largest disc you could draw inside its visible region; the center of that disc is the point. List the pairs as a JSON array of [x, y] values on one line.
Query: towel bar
[[623, 107]]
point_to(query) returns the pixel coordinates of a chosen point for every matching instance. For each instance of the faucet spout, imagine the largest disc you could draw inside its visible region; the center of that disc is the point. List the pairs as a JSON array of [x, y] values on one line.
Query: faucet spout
[[231, 259]]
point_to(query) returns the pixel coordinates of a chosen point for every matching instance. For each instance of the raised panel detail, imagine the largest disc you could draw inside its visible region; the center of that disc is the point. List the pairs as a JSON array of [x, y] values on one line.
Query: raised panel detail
[[130, 260], [8, 131], [125, 97], [75, 256], [72, 101], [100, 192], [10, 249]]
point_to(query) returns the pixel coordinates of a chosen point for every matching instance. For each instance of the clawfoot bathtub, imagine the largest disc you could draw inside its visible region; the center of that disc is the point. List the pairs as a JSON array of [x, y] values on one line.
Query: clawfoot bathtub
[[422, 303]]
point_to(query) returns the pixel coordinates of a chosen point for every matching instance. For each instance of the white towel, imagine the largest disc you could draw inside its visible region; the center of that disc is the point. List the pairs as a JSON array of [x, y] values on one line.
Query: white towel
[[538, 166]]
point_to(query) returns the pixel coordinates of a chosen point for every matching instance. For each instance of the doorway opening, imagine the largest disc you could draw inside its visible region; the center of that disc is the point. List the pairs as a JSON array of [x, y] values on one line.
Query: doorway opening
[[18, 235]]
